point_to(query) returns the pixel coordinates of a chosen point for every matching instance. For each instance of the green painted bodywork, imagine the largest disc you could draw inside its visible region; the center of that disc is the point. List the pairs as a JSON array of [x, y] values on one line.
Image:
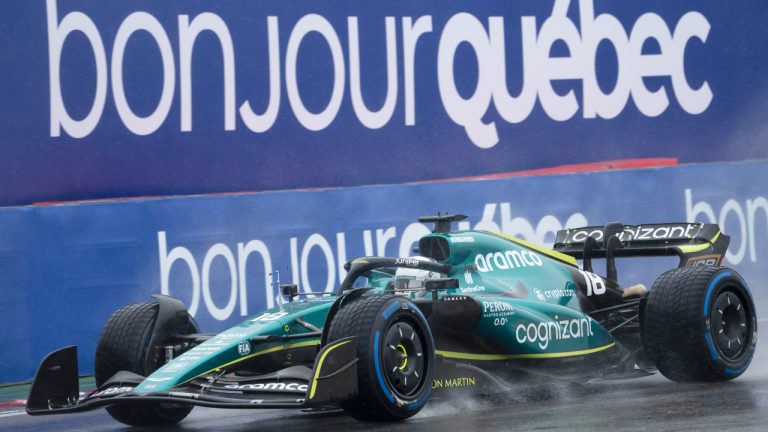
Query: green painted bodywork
[[527, 296], [225, 348]]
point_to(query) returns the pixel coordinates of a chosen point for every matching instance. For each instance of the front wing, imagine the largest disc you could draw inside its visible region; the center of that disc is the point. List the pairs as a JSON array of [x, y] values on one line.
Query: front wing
[[333, 378]]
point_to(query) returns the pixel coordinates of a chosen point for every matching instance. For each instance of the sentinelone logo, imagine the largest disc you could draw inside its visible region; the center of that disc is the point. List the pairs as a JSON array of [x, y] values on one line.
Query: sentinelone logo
[[485, 35]]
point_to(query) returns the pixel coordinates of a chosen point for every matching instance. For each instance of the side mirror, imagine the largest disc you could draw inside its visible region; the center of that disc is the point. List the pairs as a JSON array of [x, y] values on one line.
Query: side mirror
[[290, 291], [436, 285]]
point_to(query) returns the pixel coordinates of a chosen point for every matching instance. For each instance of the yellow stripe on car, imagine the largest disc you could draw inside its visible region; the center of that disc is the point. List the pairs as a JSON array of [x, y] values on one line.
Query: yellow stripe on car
[[266, 351], [698, 248], [470, 356], [541, 249], [320, 366]]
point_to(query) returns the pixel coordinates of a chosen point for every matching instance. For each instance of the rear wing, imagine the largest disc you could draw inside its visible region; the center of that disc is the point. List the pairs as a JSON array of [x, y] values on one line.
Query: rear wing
[[694, 243]]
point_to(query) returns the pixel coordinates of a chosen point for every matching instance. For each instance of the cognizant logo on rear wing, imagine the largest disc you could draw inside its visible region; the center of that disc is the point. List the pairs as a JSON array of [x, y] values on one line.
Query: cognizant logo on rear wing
[[689, 241], [632, 233]]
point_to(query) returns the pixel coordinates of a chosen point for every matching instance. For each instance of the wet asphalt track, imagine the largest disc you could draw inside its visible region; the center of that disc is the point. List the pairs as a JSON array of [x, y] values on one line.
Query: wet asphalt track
[[651, 403]]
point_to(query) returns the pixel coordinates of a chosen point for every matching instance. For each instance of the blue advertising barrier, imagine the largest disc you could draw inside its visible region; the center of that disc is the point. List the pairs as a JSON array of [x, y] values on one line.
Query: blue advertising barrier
[[65, 268], [146, 98]]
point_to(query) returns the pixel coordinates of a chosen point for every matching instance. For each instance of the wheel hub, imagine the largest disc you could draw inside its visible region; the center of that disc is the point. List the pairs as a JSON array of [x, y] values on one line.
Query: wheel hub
[[403, 358], [729, 325]]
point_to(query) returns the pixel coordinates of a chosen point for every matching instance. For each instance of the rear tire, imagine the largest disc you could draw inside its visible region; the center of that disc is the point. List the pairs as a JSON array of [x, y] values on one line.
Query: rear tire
[[396, 357], [700, 324], [123, 346]]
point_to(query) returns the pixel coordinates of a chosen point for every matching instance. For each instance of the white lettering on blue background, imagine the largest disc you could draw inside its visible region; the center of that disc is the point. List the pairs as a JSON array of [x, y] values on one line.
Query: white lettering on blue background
[[487, 37]]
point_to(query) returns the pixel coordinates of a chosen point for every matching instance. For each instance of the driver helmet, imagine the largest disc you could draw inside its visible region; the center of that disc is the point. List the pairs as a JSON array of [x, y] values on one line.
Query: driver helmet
[[407, 278]]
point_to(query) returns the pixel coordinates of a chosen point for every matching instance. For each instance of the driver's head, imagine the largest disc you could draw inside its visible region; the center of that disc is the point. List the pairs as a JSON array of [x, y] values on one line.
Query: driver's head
[[407, 278]]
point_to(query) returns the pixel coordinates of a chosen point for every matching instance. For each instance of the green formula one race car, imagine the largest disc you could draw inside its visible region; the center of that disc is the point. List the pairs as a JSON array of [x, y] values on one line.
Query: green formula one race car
[[475, 311]]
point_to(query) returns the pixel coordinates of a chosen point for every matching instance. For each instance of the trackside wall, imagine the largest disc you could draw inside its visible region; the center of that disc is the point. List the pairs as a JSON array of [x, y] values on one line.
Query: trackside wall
[[65, 268], [104, 99]]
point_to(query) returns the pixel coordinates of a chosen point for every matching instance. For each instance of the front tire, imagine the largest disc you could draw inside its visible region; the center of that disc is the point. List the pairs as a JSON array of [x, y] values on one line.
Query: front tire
[[396, 357], [123, 345], [700, 324]]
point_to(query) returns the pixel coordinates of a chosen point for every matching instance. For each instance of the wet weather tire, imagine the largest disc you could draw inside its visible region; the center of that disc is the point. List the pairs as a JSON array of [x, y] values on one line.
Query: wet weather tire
[[396, 356], [700, 324], [123, 345]]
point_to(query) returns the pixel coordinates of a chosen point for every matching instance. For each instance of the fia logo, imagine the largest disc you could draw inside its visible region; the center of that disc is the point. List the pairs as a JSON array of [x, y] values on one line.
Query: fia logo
[[244, 348], [539, 294], [468, 278]]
